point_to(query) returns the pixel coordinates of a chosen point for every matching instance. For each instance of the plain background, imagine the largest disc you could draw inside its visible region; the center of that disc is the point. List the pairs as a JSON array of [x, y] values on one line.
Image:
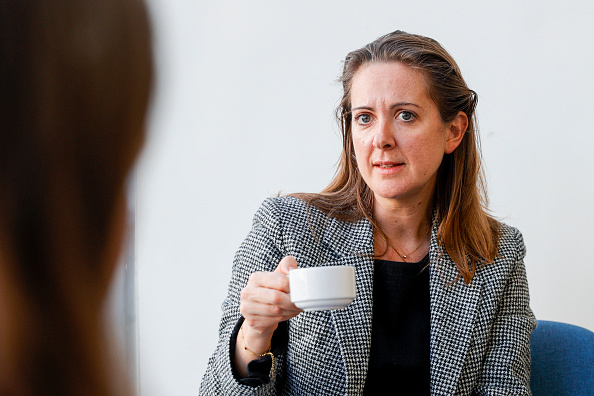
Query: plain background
[[244, 108]]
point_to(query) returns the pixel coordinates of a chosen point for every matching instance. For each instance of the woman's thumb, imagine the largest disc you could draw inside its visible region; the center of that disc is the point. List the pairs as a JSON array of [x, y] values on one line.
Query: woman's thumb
[[286, 264]]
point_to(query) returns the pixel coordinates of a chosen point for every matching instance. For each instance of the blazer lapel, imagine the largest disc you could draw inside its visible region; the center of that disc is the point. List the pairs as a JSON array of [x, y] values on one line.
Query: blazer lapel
[[453, 313], [352, 244], [453, 308]]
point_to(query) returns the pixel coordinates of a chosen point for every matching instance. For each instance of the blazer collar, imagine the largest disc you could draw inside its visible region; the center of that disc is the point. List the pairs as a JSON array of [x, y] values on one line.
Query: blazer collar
[[344, 238]]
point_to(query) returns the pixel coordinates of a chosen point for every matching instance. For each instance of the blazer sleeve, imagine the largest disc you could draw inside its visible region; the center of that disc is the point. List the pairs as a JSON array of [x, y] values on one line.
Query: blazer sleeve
[[260, 251], [506, 370]]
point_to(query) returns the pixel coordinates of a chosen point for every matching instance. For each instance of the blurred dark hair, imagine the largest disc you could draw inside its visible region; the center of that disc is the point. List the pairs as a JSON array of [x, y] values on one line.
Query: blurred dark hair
[[75, 79]]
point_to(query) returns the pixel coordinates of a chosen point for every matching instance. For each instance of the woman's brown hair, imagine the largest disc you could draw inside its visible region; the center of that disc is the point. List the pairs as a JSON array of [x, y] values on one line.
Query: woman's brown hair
[[74, 90], [467, 232]]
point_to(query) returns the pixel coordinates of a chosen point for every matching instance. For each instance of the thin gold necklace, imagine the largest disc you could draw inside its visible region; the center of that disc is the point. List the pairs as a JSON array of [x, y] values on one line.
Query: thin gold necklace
[[405, 255]]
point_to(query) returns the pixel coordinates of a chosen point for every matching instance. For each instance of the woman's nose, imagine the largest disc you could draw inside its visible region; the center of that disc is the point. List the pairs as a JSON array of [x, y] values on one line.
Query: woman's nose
[[384, 137]]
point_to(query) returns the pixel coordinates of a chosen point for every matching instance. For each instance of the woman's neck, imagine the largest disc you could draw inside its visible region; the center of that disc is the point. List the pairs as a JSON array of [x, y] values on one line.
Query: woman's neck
[[407, 227]]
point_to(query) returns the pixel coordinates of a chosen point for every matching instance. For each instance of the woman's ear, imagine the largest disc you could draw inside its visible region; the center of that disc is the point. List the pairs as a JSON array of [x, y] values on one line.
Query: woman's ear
[[456, 130]]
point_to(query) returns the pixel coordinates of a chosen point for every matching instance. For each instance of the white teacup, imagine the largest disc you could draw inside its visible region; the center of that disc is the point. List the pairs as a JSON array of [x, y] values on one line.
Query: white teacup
[[322, 288]]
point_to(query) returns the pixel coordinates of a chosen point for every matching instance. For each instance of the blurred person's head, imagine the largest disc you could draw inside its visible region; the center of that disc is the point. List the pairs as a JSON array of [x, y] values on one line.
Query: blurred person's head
[[75, 77]]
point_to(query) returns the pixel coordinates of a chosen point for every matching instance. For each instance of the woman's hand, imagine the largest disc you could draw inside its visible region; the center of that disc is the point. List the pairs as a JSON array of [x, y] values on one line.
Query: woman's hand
[[265, 302]]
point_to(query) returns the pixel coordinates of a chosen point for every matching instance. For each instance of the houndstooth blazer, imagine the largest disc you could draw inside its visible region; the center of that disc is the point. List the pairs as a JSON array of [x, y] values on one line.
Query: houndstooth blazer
[[480, 332]]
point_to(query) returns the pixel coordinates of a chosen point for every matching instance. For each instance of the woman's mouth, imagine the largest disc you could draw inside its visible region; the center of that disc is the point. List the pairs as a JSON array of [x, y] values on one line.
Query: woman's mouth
[[387, 167]]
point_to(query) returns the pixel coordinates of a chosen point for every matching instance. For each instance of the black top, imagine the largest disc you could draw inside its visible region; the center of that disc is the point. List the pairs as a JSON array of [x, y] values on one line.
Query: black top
[[400, 329], [399, 358]]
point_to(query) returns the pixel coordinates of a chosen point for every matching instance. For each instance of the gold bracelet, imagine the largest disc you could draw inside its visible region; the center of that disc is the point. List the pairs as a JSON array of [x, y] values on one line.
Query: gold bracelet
[[259, 354]]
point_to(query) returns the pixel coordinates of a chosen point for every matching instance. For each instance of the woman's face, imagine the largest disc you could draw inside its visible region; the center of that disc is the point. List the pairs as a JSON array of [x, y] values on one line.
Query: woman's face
[[398, 135]]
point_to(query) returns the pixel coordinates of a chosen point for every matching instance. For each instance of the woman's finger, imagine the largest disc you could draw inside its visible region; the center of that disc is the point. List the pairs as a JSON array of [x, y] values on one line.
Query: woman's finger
[[269, 280], [286, 264], [267, 301]]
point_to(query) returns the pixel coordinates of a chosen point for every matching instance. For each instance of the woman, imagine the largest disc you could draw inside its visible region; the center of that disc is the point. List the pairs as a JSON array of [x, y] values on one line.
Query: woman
[[74, 91], [442, 301]]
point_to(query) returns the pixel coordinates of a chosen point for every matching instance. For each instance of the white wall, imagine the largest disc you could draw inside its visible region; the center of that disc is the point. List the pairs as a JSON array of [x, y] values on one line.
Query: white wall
[[244, 109]]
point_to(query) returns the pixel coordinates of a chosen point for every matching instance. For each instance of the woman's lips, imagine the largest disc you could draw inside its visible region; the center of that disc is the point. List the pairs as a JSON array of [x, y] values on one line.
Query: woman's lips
[[387, 167]]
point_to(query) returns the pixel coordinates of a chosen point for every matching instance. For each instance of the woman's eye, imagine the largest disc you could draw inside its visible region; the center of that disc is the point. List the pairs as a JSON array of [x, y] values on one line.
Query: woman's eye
[[406, 116], [363, 119]]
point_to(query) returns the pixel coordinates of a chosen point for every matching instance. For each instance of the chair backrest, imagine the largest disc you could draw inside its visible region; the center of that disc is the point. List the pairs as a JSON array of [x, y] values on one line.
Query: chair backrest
[[562, 360]]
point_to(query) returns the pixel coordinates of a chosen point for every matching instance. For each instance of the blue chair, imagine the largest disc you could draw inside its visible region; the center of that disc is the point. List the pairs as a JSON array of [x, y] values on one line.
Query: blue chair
[[562, 360]]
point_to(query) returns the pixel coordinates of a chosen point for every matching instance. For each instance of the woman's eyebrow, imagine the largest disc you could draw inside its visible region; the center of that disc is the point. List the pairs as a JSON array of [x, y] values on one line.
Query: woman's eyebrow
[[405, 104], [362, 108], [391, 107]]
